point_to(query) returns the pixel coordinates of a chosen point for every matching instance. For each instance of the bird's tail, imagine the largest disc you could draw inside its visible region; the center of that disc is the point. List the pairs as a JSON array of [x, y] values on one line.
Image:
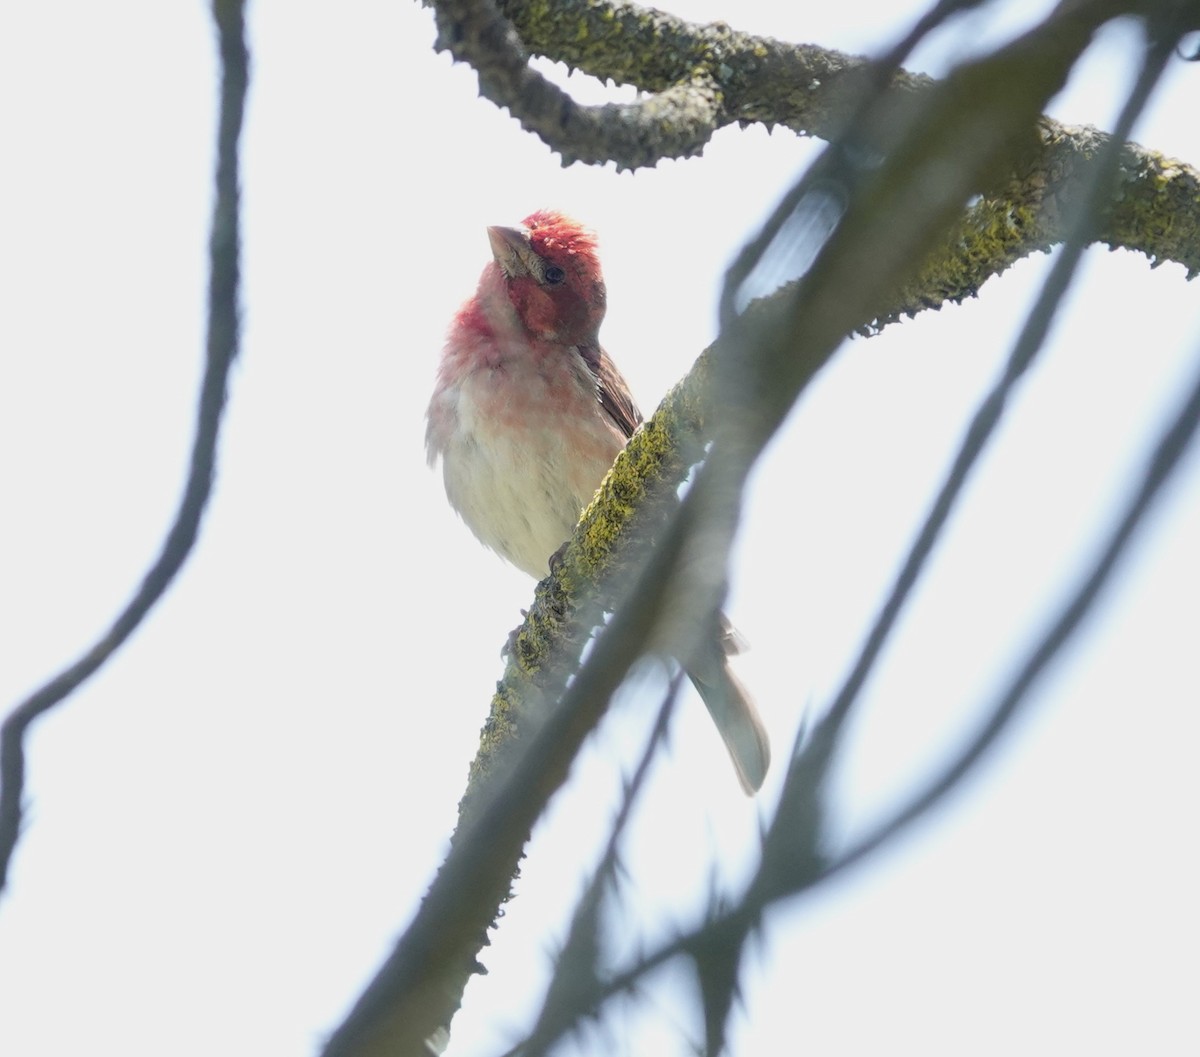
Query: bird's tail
[[733, 711]]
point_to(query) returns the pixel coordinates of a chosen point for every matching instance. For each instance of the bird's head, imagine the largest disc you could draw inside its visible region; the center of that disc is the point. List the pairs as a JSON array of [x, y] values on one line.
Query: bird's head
[[552, 276]]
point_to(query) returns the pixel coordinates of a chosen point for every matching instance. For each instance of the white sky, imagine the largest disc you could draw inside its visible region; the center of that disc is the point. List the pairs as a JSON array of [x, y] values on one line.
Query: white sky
[[228, 826]]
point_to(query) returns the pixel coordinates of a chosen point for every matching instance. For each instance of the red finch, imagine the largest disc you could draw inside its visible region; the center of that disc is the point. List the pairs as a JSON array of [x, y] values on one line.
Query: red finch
[[528, 414]]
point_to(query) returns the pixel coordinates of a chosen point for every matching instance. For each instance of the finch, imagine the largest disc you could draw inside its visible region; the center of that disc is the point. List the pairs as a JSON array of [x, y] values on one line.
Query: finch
[[529, 412]]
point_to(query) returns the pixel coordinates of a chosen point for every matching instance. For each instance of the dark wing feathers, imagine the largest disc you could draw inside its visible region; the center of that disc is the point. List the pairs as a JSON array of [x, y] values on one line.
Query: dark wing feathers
[[612, 389]]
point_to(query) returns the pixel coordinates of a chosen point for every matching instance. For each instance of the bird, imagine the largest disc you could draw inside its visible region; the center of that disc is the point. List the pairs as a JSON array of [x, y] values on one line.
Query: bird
[[527, 415]]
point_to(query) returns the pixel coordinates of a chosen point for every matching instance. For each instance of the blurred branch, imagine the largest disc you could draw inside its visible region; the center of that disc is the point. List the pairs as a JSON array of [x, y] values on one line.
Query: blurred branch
[[971, 127], [810, 765], [1163, 462], [793, 860], [577, 975], [778, 877], [221, 352], [1081, 224], [411, 1000]]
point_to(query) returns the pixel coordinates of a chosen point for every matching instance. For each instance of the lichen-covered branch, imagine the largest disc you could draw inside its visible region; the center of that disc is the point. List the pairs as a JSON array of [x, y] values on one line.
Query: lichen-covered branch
[[975, 125], [806, 88], [704, 77], [675, 122], [1155, 210], [658, 457]]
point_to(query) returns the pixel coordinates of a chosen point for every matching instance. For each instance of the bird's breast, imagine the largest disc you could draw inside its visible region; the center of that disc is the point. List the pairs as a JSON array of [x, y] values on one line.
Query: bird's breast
[[524, 446]]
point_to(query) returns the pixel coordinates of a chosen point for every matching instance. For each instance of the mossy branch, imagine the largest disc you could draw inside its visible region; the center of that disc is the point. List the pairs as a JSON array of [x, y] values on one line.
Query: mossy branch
[[1155, 210], [704, 77]]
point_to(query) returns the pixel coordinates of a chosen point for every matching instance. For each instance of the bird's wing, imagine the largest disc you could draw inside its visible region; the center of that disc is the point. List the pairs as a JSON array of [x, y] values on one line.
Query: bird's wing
[[612, 389]]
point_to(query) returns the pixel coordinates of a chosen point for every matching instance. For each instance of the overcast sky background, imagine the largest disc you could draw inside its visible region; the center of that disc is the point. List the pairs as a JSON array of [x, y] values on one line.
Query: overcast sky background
[[230, 824]]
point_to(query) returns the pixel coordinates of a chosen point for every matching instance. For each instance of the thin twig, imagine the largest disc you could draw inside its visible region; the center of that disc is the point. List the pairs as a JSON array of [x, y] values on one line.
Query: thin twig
[[221, 352]]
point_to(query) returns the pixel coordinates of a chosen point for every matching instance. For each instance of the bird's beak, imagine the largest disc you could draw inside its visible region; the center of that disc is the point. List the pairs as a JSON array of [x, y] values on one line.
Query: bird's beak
[[510, 247]]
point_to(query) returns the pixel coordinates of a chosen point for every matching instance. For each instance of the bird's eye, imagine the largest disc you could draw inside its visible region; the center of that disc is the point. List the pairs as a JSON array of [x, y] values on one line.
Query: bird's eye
[[554, 275]]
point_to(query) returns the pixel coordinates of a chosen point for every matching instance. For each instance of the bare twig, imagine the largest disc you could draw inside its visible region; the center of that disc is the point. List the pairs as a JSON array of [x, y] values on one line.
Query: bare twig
[[221, 352]]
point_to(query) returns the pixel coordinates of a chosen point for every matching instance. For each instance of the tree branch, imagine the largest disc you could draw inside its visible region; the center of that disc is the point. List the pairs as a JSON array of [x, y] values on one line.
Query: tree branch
[[1154, 209], [973, 126], [793, 861], [676, 122], [222, 350], [707, 77]]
